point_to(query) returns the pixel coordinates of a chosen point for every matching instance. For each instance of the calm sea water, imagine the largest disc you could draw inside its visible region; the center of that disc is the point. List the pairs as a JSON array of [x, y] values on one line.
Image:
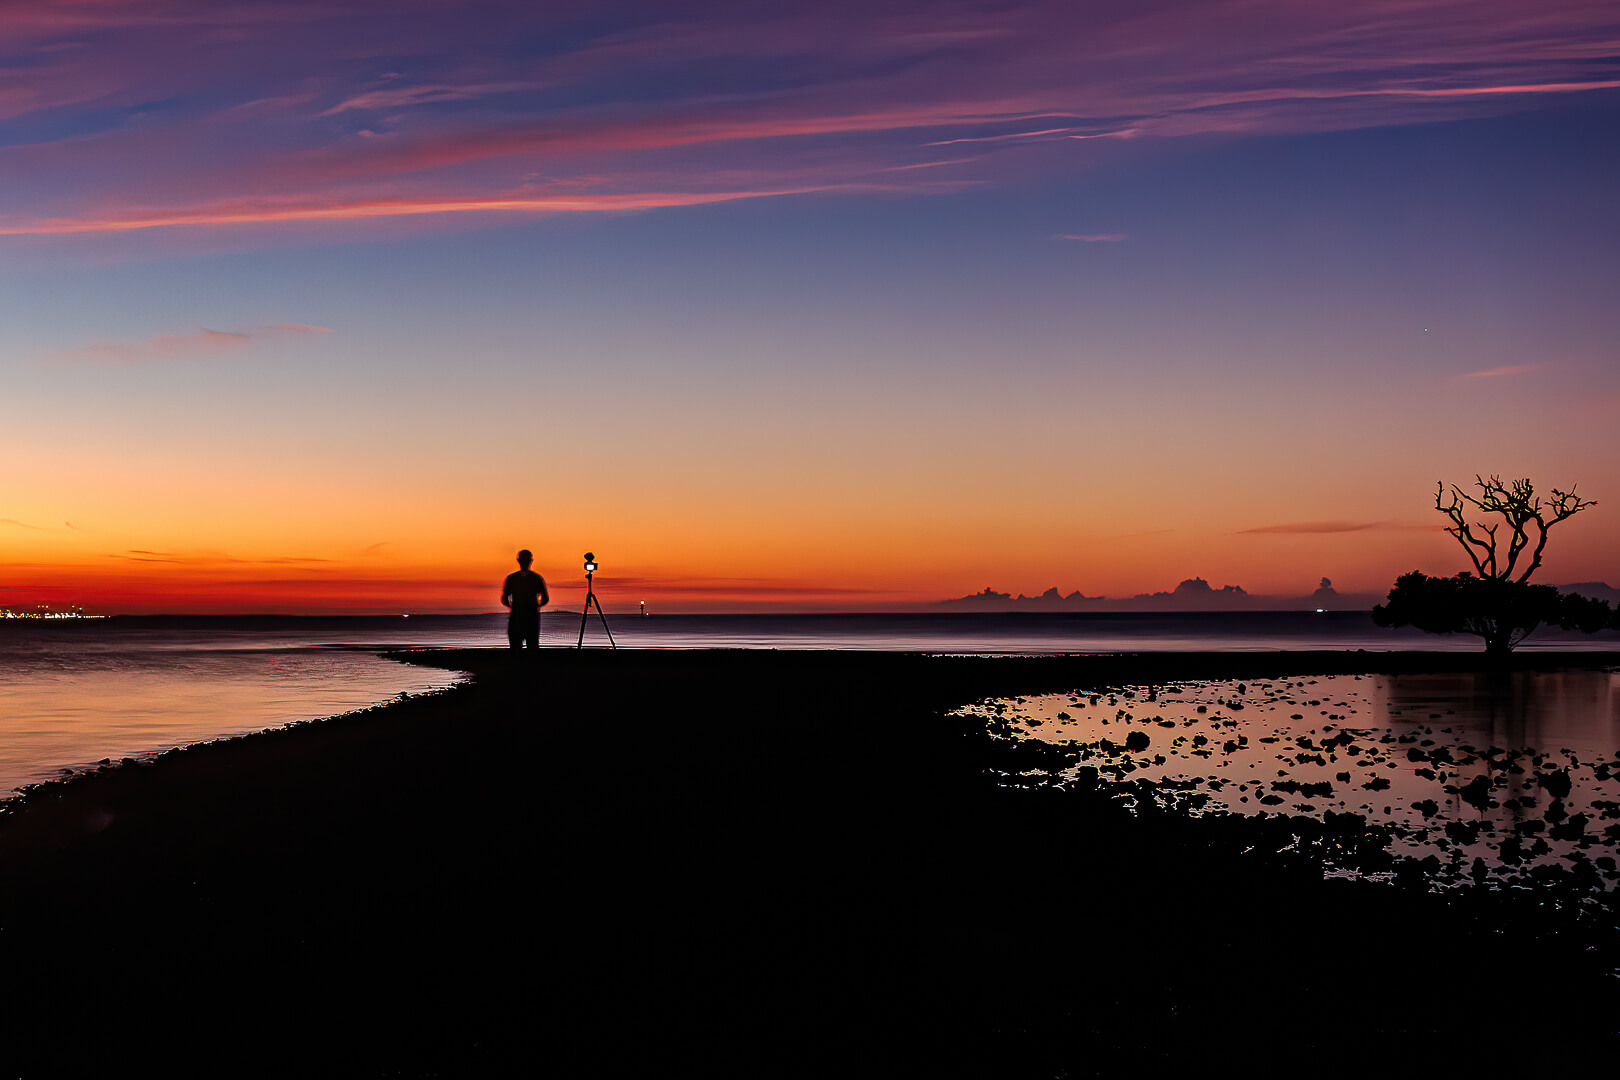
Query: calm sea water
[[75, 693]]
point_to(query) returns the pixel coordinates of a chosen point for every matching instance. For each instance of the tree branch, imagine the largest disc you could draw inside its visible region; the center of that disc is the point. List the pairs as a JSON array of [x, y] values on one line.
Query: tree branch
[[1520, 509]]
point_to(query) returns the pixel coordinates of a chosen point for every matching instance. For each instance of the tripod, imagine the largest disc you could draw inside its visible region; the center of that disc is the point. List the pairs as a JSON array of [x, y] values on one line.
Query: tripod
[[585, 612]]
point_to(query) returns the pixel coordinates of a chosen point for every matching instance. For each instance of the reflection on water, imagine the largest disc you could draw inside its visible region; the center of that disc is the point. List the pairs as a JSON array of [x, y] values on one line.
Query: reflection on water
[[1544, 710], [70, 709], [1512, 769]]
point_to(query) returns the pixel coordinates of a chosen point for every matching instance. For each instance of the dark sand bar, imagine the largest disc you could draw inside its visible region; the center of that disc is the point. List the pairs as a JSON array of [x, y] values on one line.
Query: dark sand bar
[[743, 863]]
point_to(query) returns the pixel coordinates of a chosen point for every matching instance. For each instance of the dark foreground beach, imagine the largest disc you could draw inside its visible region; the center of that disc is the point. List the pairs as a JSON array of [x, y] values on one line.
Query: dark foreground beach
[[745, 863]]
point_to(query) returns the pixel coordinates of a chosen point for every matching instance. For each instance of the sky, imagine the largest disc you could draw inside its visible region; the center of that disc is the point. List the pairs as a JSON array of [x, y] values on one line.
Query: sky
[[323, 307]]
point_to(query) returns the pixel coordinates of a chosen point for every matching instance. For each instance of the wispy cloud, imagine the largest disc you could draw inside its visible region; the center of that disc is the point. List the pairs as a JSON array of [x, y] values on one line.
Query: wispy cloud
[[267, 114], [724, 586], [202, 344], [1496, 372], [1095, 238], [1122, 133], [260, 213], [931, 164], [394, 587], [410, 96], [1003, 138], [1312, 527], [22, 525], [212, 558]]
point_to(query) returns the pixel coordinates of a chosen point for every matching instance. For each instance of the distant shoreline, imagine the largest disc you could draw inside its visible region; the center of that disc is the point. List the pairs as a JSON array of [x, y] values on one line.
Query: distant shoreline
[[1195, 595]]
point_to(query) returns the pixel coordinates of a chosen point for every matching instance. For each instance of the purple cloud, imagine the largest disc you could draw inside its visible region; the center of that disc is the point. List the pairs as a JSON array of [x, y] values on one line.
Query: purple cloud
[[141, 114], [1497, 372]]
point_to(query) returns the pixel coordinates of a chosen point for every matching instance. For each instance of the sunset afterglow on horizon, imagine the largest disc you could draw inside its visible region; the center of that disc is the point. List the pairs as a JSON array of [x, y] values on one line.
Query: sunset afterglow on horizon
[[841, 307]]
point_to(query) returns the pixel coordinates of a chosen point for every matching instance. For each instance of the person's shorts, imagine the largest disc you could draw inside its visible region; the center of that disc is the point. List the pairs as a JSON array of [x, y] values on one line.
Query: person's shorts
[[523, 626]]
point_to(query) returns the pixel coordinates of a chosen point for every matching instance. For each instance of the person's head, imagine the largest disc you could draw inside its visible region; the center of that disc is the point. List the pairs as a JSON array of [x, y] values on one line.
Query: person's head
[[525, 557]]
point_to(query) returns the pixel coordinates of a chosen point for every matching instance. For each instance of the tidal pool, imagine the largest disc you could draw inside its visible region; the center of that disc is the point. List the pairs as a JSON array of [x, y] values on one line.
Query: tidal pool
[[1488, 775]]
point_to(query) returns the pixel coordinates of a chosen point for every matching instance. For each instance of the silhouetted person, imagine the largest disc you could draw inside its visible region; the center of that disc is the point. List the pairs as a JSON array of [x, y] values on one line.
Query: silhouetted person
[[525, 593]]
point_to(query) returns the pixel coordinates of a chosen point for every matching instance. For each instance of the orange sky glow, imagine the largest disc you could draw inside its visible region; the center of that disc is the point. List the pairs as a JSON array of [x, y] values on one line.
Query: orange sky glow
[[311, 311]]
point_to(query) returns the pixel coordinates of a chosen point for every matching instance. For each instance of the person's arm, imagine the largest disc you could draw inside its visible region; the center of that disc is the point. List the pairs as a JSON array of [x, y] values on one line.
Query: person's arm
[[545, 597], [506, 592]]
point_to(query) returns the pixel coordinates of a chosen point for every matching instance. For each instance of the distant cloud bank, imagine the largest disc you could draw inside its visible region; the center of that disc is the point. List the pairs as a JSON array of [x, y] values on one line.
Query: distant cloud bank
[[1192, 594]]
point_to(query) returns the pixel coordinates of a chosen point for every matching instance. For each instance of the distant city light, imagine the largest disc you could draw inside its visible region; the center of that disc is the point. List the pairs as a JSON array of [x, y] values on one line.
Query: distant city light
[[45, 611]]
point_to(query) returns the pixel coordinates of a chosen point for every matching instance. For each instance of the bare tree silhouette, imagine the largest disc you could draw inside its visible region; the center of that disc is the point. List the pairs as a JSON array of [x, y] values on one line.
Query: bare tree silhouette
[[1495, 601], [1521, 511]]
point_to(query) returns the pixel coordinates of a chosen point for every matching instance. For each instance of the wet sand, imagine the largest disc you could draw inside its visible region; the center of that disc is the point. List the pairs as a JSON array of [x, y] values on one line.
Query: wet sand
[[743, 863]]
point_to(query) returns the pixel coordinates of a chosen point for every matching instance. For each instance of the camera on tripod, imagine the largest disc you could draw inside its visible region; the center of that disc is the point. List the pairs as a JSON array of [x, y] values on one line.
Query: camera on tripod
[[590, 600]]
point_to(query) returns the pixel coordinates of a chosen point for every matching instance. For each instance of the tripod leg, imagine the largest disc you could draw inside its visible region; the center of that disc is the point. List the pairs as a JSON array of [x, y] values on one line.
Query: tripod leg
[[584, 613], [603, 617]]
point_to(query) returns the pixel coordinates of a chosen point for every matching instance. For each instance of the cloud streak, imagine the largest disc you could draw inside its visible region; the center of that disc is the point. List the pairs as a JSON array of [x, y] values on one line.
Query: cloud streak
[[721, 586], [131, 115], [203, 344], [258, 213], [1498, 372], [213, 558], [1309, 528], [411, 96]]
